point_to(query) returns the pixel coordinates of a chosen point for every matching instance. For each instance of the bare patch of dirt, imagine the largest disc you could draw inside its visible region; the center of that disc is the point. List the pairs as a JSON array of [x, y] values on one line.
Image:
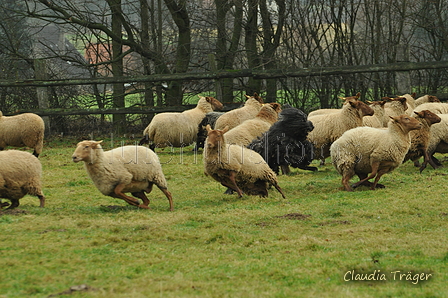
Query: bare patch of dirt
[[13, 212], [295, 216]]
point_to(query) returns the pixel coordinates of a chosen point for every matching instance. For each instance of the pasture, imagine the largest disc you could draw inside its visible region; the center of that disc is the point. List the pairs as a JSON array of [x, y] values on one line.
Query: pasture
[[313, 244]]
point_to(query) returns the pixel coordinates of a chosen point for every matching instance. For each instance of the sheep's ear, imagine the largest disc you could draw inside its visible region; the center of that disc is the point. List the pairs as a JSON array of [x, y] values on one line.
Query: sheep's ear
[[353, 103], [208, 98], [226, 129], [369, 102], [358, 95], [402, 99], [419, 114], [413, 95], [247, 96], [382, 103], [208, 128]]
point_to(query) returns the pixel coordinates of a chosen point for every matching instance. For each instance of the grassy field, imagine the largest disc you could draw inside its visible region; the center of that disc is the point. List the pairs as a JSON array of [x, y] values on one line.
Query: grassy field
[[313, 244]]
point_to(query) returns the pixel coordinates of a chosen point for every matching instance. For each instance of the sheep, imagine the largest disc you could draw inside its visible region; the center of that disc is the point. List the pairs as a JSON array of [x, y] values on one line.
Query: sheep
[[438, 141], [235, 117], [285, 143], [410, 102], [133, 169], [328, 111], [237, 167], [377, 119], [20, 174], [22, 130], [372, 152], [250, 129], [210, 118], [178, 129], [435, 107], [426, 98], [328, 128], [420, 138], [394, 107]]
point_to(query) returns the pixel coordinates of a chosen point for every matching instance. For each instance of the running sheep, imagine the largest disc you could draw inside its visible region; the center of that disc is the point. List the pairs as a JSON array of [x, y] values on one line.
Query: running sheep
[[394, 107], [328, 128], [372, 152], [237, 167], [235, 117], [425, 99], [438, 140], [329, 111], [22, 130], [20, 174], [127, 169], [251, 129], [435, 107], [178, 129], [420, 139]]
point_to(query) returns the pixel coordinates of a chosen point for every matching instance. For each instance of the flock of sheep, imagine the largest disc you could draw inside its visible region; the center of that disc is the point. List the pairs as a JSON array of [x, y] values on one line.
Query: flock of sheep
[[243, 149]]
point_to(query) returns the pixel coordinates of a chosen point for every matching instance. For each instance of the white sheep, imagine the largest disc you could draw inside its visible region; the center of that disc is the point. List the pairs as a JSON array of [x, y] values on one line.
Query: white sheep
[[426, 98], [25, 129], [235, 117], [20, 174], [438, 141], [410, 102], [420, 138], [329, 111], [237, 167], [133, 169], [178, 129], [249, 130], [372, 152], [377, 119], [435, 107], [394, 107], [328, 128]]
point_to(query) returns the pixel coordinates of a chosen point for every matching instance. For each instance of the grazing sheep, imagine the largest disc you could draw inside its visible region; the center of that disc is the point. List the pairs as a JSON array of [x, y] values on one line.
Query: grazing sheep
[[178, 129], [237, 167], [328, 128], [377, 119], [435, 107], [426, 98], [329, 111], [235, 117], [250, 129], [420, 138], [210, 118], [372, 152], [22, 130], [20, 174], [133, 169], [285, 143], [394, 107]]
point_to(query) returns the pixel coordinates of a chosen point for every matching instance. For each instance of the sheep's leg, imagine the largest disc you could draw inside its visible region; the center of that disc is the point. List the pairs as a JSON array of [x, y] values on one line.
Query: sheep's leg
[[42, 200], [141, 195], [119, 194], [279, 190], [168, 196], [3, 204], [375, 166], [144, 140], [232, 175], [14, 203], [285, 169]]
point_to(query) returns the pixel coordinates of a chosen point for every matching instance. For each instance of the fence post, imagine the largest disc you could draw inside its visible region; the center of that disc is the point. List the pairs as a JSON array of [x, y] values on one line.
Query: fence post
[[403, 78], [40, 73]]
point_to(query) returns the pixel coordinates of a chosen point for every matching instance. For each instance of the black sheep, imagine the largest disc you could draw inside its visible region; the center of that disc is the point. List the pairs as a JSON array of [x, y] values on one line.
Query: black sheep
[[210, 118], [285, 143]]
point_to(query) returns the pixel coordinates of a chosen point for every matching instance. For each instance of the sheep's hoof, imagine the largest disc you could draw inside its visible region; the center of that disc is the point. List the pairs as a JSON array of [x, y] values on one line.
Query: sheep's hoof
[[143, 206]]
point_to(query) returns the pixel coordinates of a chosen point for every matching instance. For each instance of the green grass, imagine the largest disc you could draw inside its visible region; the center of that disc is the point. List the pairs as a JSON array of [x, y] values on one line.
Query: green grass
[[216, 245]]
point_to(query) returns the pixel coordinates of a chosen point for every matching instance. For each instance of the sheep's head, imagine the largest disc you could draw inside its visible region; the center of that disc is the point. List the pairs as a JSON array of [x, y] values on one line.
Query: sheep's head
[[215, 137], [348, 98], [256, 97], [428, 116], [363, 109], [216, 104], [83, 151], [407, 123], [432, 98]]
